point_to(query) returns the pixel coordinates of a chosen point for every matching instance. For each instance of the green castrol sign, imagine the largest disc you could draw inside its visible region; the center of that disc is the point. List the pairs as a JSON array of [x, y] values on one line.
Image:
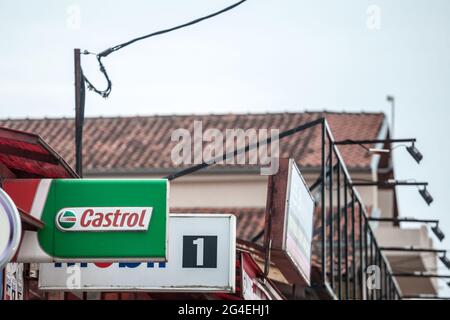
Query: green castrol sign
[[94, 219]]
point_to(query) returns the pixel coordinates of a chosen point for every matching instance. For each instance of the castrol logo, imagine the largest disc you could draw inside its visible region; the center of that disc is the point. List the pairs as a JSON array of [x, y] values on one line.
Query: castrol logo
[[97, 219]]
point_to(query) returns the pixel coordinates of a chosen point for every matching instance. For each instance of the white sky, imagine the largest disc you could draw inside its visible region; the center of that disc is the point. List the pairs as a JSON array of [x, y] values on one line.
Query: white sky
[[266, 55]]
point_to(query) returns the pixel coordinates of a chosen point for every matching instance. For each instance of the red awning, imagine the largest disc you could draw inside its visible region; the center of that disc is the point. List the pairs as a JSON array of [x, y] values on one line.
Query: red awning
[[27, 155], [29, 222]]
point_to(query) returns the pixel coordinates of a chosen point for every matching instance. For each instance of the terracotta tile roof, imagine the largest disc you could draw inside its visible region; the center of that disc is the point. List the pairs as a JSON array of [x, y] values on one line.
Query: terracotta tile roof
[[140, 143]]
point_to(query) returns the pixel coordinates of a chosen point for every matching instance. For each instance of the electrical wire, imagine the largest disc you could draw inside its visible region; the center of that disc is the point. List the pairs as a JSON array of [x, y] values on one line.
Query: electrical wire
[[105, 93], [399, 145]]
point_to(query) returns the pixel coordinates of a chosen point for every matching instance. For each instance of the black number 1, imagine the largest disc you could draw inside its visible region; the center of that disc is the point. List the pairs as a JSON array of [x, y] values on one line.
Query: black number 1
[[199, 251]]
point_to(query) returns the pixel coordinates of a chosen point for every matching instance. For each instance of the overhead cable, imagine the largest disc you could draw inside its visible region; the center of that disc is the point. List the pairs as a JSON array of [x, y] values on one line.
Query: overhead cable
[[105, 93]]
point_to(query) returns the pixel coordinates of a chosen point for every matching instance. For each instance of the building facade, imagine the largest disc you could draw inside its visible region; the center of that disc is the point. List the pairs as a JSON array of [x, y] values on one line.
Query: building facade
[[142, 147]]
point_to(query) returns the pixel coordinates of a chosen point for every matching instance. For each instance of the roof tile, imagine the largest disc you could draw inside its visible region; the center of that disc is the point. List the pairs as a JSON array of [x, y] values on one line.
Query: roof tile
[[130, 143]]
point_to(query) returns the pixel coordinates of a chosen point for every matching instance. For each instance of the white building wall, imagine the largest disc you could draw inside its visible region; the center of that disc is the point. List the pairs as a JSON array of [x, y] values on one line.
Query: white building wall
[[233, 190]]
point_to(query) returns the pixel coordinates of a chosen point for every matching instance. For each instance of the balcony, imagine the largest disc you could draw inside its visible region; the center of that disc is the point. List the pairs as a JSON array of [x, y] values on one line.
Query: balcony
[[410, 262]]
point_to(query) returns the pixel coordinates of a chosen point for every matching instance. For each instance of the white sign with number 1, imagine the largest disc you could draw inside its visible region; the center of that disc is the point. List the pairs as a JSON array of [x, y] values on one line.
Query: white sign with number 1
[[202, 258]]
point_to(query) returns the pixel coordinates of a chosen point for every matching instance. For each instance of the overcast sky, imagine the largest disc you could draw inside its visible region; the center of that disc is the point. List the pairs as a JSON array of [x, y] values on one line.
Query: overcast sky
[[266, 55]]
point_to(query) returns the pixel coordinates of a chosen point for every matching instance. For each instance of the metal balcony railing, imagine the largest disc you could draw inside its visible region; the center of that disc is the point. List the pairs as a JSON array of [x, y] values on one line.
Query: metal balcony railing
[[352, 264]]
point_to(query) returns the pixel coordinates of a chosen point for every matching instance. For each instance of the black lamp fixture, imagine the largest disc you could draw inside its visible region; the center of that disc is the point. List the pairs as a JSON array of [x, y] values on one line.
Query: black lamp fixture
[[415, 153], [412, 149], [438, 232], [445, 260], [392, 183], [435, 228], [426, 195]]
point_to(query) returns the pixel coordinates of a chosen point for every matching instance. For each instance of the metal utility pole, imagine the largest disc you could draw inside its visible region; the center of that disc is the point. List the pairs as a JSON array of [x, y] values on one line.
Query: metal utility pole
[[391, 99], [79, 113]]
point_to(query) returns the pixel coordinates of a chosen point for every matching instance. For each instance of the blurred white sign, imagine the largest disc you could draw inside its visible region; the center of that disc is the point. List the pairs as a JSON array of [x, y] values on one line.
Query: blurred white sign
[[300, 212], [202, 257], [13, 281], [10, 229]]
